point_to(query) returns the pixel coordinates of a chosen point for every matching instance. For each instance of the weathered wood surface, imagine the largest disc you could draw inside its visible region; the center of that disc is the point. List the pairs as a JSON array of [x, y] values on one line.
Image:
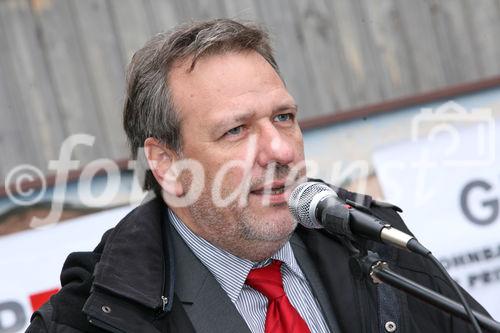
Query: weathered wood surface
[[62, 62]]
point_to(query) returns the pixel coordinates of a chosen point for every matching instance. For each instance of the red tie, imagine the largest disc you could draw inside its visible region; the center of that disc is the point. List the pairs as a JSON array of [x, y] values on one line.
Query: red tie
[[281, 315]]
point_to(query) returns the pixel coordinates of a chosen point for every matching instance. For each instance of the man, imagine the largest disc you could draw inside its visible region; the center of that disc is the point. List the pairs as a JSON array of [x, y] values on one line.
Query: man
[[217, 249]]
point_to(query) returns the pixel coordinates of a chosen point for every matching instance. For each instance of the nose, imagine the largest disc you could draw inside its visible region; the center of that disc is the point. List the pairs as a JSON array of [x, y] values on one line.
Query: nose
[[274, 146]]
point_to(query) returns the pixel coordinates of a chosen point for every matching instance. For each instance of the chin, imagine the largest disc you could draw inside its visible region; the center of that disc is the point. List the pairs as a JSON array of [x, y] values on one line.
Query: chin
[[274, 230]]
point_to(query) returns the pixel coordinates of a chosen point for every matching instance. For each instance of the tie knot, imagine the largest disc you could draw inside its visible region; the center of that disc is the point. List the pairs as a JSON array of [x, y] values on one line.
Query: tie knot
[[267, 280]]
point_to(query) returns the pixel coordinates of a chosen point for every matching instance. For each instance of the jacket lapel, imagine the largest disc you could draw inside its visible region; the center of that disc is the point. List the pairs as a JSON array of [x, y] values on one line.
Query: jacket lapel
[[318, 289], [205, 302], [332, 263]]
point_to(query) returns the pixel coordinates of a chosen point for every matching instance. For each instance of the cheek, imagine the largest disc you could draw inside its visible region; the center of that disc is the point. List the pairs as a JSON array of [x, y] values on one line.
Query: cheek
[[225, 167], [229, 177], [224, 177]]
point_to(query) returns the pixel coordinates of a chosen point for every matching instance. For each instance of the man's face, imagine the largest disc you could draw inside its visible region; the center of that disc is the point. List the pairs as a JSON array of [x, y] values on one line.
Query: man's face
[[239, 121]]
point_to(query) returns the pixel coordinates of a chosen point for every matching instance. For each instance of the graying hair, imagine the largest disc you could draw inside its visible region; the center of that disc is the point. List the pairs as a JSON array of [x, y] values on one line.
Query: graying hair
[[149, 110]]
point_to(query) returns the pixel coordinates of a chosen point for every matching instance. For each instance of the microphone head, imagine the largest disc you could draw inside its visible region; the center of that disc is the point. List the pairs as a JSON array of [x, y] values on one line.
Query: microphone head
[[303, 201]]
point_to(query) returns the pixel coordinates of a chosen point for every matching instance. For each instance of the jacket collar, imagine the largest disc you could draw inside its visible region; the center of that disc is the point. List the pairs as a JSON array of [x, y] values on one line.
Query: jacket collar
[[132, 263]]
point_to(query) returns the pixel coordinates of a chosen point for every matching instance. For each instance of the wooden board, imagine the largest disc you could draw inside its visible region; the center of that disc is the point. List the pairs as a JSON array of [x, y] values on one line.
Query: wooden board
[[69, 69], [26, 113], [106, 68]]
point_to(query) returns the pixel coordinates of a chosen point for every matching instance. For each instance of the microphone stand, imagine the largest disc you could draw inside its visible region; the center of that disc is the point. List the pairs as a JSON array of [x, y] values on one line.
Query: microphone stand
[[370, 265]]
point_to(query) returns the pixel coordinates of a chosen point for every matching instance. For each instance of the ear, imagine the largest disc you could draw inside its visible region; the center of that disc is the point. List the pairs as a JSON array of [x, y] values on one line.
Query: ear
[[160, 160]]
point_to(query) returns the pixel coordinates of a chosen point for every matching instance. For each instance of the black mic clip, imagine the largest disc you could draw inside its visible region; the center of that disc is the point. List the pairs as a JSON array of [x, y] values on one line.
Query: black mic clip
[[362, 264], [358, 206], [336, 218]]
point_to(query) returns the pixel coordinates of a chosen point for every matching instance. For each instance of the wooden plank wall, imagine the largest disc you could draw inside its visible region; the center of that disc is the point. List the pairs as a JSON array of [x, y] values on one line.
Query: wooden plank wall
[[62, 61]]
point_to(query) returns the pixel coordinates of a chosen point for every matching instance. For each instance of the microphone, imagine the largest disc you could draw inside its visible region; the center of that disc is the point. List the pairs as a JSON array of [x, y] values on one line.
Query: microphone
[[316, 205]]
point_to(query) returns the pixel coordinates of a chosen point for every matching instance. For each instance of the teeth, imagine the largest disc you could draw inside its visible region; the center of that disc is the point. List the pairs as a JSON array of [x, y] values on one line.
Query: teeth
[[278, 190]]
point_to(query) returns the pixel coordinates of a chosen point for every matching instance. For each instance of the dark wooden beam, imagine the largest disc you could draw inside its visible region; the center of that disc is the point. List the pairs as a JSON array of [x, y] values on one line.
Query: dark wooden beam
[[404, 102]]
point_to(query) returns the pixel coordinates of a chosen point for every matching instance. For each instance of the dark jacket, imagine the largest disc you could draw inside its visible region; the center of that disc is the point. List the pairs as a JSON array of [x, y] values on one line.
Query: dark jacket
[[127, 283]]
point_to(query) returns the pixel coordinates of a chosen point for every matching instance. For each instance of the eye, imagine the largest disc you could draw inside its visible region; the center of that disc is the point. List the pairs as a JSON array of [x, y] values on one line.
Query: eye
[[283, 117], [235, 131]]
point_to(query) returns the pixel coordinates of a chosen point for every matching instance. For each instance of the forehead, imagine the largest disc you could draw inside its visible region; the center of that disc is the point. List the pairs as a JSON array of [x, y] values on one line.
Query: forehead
[[223, 81]]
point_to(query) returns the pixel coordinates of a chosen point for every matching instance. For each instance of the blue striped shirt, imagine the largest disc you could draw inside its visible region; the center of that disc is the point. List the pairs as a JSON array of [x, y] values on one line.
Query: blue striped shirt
[[231, 272]]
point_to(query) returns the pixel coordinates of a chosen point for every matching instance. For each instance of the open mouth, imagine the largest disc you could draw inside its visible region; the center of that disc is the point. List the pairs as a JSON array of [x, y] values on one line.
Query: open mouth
[[274, 190]]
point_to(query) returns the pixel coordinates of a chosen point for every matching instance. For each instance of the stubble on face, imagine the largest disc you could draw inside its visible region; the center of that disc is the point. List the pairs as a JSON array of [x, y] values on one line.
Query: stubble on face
[[238, 228]]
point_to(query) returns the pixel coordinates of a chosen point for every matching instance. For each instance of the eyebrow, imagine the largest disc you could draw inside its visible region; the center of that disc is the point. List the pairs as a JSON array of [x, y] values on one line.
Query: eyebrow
[[286, 106]]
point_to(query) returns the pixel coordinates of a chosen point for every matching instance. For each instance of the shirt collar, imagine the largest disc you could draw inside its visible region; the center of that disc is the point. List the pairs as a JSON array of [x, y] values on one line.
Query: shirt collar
[[229, 270]]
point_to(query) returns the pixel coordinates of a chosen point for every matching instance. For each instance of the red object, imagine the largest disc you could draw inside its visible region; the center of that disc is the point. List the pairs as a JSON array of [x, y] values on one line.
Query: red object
[[281, 316], [38, 299]]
